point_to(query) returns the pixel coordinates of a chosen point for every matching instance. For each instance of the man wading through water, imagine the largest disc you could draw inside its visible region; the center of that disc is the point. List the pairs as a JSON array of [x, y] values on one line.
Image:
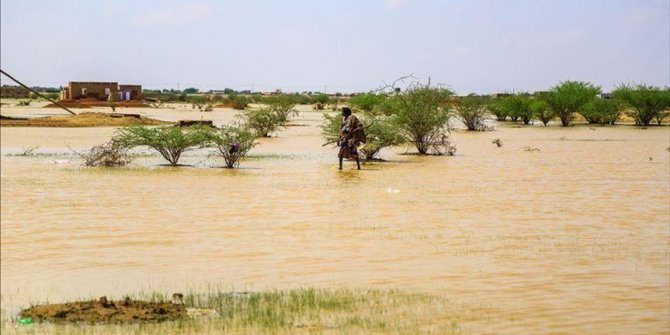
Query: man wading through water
[[352, 134]]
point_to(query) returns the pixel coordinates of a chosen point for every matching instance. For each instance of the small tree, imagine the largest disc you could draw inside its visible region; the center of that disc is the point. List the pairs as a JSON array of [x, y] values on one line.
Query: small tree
[[423, 116], [473, 111], [601, 111], [233, 141], [647, 102], [170, 141], [518, 105], [569, 97], [541, 110], [264, 121], [496, 108]]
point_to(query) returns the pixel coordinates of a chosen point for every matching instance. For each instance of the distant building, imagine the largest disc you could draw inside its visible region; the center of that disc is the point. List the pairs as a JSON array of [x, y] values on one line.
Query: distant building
[[76, 90]]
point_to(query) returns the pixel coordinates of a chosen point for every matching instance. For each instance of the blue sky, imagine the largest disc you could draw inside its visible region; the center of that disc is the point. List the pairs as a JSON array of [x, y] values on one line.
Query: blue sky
[[478, 46]]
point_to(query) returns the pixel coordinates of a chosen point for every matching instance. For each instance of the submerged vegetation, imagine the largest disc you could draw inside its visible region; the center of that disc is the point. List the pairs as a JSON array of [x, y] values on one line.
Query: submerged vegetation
[[473, 111], [170, 141], [232, 141], [423, 116]]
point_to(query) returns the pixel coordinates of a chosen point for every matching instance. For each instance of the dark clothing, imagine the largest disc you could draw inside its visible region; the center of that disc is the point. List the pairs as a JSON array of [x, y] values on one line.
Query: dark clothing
[[351, 136]]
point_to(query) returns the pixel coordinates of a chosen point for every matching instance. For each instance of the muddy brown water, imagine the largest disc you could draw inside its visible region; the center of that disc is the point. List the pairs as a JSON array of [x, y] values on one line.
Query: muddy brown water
[[574, 238]]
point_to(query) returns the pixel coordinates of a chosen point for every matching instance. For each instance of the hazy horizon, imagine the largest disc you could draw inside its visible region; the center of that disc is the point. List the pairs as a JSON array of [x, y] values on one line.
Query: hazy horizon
[[346, 46]]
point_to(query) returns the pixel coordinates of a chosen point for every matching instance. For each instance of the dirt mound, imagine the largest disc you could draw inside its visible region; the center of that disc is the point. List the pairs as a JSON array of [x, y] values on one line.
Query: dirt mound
[[104, 311], [87, 119], [97, 103]]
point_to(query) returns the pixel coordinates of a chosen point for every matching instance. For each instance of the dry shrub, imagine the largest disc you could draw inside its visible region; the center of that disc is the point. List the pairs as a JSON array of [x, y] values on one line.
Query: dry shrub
[[109, 154]]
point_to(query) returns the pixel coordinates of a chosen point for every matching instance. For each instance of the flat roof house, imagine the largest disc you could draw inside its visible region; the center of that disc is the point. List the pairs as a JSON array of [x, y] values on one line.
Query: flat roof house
[[76, 90]]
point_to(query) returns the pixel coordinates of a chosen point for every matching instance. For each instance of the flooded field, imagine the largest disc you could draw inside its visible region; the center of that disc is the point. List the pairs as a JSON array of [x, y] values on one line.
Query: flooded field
[[573, 238]]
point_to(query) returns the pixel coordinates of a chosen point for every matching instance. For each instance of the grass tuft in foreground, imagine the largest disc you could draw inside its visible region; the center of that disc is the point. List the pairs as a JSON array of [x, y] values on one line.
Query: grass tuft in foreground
[[296, 311]]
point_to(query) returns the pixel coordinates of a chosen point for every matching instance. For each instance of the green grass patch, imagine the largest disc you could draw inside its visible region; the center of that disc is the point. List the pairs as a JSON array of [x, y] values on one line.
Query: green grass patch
[[294, 311]]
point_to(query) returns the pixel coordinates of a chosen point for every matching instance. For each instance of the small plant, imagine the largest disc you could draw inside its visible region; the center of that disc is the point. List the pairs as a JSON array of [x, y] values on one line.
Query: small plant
[[108, 154], [233, 141], [28, 151], [24, 103], [263, 121], [497, 142], [171, 142], [530, 149]]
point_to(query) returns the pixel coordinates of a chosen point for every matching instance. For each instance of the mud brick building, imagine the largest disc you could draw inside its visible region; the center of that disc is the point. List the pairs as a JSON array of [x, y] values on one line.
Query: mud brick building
[[76, 90]]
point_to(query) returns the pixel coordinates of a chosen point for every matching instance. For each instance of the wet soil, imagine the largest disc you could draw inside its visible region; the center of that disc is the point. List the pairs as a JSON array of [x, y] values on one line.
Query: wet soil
[[106, 311], [86, 119]]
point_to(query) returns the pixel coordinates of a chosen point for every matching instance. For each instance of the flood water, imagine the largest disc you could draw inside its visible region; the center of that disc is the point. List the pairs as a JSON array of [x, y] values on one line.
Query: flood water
[[573, 238]]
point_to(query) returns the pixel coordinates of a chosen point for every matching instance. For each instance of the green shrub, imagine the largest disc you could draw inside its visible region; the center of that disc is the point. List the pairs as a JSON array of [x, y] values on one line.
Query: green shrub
[[601, 111], [472, 110], [264, 121], [496, 108], [367, 101], [233, 141], [423, 116], [239, 102], [647, 102], [320, 99], [330, 128], [518, 106], [196, 101], [569, 97], [541, 111], [382, 132], [170, 141], [283, 106]]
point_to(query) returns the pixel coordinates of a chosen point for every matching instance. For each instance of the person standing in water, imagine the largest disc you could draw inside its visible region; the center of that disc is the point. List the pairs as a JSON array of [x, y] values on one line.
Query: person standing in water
[[351, 136]]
